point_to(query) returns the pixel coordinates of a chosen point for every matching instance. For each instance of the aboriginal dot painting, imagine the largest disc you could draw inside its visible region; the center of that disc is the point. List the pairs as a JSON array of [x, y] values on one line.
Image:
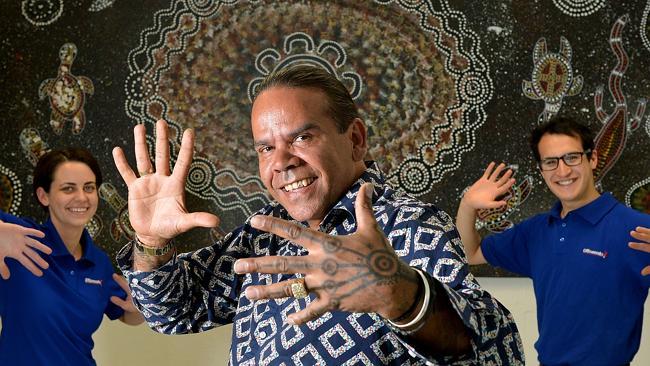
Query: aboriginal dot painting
[[444, 87]]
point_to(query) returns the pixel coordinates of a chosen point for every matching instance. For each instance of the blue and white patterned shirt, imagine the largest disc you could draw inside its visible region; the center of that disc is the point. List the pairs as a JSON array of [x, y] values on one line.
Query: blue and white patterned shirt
[[199, 290]]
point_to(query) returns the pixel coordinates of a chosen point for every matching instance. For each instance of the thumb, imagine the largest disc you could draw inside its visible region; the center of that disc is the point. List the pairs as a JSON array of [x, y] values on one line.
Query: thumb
[[198, 219], [363, 207]]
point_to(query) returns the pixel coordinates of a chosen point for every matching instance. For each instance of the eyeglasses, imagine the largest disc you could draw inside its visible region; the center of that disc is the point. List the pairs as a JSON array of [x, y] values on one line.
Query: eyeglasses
[[570, 159]]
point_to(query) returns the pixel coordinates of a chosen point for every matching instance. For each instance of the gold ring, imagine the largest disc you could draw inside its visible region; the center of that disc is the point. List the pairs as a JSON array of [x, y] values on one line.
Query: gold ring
[[298, 289], [148, 172]]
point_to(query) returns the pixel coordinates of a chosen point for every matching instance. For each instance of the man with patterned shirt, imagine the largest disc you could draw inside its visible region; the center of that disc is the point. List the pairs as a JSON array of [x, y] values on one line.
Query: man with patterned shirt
[[339, 269]]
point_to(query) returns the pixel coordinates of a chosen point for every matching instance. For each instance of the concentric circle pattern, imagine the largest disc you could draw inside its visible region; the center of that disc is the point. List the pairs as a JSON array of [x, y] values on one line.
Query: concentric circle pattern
[[579, 8]]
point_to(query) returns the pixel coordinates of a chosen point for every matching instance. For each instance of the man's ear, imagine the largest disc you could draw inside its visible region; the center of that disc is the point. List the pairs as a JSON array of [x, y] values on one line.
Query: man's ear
[[43, 197], [593, 162], [359, 137]]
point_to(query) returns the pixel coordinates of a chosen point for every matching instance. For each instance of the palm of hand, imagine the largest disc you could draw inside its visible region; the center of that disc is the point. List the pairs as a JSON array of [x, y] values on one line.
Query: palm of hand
[[156, 206], [481, 193], [156, 198], [485, 191]]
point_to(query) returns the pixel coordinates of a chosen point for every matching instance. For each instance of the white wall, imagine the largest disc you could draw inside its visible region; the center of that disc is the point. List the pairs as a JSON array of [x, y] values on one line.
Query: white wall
[[116, 344]]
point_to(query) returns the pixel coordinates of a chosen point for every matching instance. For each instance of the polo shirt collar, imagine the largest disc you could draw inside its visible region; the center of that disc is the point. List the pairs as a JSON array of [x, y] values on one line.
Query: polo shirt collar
[[90, 251], [592, 212]]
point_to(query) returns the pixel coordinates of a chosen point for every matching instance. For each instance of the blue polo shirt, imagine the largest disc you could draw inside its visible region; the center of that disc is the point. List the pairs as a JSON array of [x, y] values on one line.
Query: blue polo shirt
[[50, 320], [587, 281]]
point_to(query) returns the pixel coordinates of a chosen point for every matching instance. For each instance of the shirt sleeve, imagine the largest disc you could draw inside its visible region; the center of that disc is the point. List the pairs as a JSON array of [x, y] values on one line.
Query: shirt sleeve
[[509, 249], [433, 244], [194, 291]]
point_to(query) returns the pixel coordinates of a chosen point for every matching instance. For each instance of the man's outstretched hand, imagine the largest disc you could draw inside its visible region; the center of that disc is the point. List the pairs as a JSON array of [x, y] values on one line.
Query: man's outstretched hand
[[156, 196], [357, 273]]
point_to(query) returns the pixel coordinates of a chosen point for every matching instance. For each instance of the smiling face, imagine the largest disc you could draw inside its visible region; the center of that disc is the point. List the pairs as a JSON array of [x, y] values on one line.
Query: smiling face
[[572, 185], [305, 163], [72, 199]]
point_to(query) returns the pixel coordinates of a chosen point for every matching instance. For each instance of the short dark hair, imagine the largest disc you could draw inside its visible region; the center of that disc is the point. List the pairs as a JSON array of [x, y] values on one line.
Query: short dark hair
[[340, 103], [47, 164], [562, 125]]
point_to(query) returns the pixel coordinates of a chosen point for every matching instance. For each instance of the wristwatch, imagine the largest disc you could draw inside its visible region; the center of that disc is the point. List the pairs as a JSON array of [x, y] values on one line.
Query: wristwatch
[[147, 250]]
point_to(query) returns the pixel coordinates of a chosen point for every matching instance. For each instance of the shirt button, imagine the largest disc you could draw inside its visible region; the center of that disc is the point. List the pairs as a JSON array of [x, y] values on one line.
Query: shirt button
[[564, 224], [262, 335], [562, 239], [72, 273]]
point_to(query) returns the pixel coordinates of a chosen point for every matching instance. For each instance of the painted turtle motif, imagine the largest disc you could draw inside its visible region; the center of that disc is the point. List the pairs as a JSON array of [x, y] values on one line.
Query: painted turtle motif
[[552, 78], [120, 225], [33, 145], [67, 93]]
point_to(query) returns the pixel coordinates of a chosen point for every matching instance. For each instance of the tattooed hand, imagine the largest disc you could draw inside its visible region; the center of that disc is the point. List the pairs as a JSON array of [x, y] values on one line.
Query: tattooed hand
[[355, 273]]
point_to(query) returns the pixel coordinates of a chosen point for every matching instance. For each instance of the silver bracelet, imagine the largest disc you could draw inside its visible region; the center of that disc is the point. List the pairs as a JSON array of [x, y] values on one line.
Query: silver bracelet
[[404, 328]]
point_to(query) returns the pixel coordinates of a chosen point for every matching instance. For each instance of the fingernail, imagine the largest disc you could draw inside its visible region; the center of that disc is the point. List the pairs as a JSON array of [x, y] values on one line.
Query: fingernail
[[241, 266], [290, 321], [256, 221], [252, 293]]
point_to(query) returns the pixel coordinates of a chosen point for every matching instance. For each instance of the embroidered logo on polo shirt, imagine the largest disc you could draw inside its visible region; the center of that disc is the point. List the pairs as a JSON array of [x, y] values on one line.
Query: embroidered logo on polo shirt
[[597, 253], [90, 281]]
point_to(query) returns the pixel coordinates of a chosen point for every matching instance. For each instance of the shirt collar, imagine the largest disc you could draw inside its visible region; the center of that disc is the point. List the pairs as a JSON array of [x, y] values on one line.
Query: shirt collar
[[344, 208], [90, 252], [592, 212]]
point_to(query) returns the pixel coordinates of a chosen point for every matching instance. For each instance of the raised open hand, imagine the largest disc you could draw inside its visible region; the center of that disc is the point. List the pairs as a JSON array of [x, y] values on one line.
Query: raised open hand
[[15, 243], [356, 273], [484, 192], [157, 198], [642, 234]]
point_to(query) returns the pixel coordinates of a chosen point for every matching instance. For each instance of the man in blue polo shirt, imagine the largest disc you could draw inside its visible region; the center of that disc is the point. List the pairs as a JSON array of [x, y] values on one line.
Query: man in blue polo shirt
[[588, 282]]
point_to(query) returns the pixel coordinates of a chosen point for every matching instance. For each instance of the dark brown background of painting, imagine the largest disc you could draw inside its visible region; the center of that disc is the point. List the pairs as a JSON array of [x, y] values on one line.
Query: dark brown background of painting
[[29, 55]]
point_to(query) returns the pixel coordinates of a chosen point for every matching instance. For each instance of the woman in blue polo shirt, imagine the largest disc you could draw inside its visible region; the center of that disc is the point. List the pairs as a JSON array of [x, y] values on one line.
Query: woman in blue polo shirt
[[56, 288]]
